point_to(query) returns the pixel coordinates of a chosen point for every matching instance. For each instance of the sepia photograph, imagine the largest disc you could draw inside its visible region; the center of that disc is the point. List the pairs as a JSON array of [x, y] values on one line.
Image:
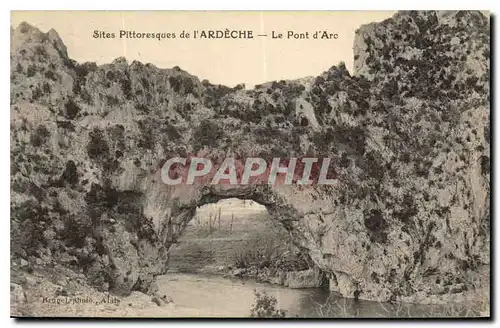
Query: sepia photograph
[[250, 164]]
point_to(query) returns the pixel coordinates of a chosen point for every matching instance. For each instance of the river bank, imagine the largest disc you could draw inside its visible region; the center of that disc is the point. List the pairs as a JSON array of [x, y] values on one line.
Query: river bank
[[60, 292]]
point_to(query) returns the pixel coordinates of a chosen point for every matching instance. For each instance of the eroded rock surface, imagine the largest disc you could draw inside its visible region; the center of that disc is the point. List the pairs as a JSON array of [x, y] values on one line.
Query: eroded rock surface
[[409, 133]]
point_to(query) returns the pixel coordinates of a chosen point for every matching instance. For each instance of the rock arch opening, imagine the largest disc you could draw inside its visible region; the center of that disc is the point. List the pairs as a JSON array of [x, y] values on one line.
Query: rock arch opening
[[238, 237]]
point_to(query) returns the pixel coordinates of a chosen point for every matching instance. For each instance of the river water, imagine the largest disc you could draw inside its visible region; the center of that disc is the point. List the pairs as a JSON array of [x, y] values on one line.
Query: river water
[[213, 295]]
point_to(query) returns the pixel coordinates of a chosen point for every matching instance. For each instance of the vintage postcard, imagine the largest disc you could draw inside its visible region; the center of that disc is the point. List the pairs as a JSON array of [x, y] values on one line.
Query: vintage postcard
[[250, 164]]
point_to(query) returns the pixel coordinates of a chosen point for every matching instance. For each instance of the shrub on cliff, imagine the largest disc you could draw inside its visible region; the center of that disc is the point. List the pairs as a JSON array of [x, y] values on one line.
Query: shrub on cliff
[[97, 145], [171, 132], [81, 70], [182, 84], [28, 221], [40, 136], [75, 230], [70, 174], [147, 138], [28, 239], [126, 86], [206, 134], [71, 110], [376, 226]]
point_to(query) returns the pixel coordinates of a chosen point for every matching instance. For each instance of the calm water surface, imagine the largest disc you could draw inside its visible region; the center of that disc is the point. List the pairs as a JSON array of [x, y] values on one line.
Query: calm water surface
[[214, 295]]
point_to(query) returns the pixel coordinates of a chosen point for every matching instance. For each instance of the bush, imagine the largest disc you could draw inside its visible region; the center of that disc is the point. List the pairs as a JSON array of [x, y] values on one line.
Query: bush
[[252, 257], [97, 146], [27, 239], [70, 173], [272, 249], [36, 93], [71, 110], [27, 227], [75, 231], [175, 83], [485, 165], [376, 225], [126, 85], [82, 70], [40, 136], [31, 71], [51, 75], [206, 134], [266, 307], [147, 136], [172, 132], [142, 108]]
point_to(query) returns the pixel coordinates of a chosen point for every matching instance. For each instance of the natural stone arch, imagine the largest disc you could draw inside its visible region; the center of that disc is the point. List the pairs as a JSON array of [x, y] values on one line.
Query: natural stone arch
[[410, 137], [172, 208], [176, 207]]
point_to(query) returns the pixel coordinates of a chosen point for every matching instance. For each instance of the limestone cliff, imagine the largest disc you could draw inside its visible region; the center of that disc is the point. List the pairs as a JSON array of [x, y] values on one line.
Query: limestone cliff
[[409, 132]]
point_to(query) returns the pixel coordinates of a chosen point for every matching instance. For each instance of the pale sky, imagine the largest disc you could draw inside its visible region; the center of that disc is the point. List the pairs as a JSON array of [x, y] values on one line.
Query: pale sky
[[223, 61]]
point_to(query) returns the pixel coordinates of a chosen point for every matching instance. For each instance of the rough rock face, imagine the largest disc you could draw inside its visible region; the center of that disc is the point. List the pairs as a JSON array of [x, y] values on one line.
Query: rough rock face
[[409, 133]]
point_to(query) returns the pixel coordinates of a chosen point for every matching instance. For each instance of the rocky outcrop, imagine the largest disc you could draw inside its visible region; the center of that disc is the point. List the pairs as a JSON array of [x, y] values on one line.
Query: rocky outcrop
[[304, 279], [409, 133], [308, 278]]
